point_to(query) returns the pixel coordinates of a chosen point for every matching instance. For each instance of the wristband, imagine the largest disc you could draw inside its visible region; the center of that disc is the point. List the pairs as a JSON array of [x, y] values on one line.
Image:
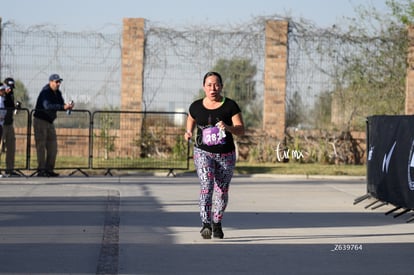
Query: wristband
[[188, 132]]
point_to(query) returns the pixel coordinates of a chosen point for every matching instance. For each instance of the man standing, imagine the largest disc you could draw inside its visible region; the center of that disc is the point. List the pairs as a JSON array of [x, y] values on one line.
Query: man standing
[[9, 137], [49, 101]]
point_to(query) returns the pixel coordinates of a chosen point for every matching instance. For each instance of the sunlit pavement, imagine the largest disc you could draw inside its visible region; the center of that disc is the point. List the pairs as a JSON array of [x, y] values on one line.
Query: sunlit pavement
[[150, 225]]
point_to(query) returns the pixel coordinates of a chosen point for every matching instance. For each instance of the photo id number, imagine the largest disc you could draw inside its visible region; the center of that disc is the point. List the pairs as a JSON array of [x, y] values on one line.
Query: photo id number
[[347, 247]]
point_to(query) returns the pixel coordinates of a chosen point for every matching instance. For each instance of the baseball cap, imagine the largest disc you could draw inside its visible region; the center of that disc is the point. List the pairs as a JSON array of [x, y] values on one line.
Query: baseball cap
[[55, 77], [3, 87], [9, 82]]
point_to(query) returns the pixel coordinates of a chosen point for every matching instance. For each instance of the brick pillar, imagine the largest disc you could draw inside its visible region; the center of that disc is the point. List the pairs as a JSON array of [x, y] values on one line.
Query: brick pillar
[[275, 78], [409, 88], [132, 85], [132, 64]]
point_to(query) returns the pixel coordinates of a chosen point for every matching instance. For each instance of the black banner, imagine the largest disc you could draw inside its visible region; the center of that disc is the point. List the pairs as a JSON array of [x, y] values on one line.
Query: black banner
[[390, 166]]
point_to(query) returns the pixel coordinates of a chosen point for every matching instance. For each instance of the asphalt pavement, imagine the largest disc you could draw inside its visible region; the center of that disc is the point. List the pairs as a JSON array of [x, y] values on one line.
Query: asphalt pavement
[[150, 225]]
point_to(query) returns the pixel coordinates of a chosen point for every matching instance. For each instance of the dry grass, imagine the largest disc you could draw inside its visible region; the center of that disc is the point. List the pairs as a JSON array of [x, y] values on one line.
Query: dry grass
[[300, 169]]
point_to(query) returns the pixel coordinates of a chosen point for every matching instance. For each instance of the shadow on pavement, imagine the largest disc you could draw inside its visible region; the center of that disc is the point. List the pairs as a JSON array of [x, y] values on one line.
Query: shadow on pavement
[[64, 235]]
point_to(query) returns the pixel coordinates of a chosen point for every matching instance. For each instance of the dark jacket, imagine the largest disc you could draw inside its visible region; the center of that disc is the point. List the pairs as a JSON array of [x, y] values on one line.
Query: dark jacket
[[48, 103], [9, 105]]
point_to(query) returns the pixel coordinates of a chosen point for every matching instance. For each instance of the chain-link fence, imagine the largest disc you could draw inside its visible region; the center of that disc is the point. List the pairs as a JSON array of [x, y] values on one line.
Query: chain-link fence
[[321, 93], [337, 78], [176, 61], [89, 63]]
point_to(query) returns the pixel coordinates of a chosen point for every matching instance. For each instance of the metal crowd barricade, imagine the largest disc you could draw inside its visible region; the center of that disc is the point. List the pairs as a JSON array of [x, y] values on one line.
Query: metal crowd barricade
[[21, 129], [139, 140], [107, 140], [73, 139]]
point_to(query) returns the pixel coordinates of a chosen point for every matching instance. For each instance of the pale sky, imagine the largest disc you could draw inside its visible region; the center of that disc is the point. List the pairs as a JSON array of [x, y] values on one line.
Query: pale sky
[[81, 15]]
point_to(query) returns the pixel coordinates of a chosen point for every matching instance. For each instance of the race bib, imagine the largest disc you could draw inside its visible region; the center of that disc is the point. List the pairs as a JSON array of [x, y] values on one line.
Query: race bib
[[213, 136]]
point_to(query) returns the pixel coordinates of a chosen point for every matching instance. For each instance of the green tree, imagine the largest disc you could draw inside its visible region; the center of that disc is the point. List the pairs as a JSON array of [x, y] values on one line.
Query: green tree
[[295, 111], [106, 140], [238, 79], [21, 94], [402, 10], [370, 72]]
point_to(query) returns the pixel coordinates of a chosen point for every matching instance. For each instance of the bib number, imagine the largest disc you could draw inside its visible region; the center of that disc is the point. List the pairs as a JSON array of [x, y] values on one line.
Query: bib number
[[213, 136]]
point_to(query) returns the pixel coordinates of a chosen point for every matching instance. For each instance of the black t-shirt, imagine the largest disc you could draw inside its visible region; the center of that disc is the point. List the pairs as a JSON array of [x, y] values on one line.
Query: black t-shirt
[[208, 138]]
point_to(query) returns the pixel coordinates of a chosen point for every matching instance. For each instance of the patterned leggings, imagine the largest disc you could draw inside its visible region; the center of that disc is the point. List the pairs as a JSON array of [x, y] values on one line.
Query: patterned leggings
[[214, 171]]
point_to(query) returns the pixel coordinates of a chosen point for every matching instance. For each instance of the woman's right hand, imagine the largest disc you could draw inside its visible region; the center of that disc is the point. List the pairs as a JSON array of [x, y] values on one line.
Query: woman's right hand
[[188, 135]]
